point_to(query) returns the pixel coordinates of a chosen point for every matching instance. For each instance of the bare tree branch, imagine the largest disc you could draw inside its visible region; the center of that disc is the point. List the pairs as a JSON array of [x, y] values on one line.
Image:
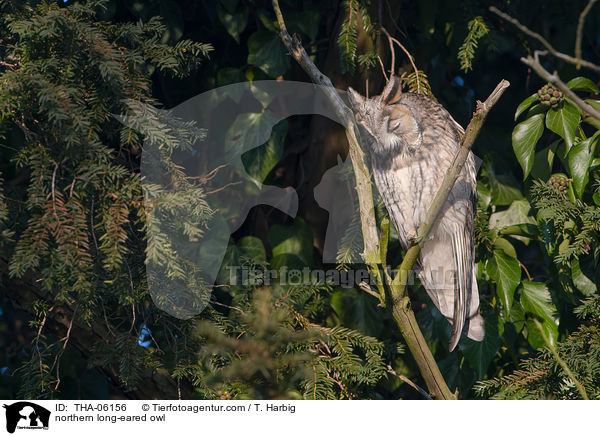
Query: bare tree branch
[[534, 64], [579, 35], [545, 43], [361, 172]]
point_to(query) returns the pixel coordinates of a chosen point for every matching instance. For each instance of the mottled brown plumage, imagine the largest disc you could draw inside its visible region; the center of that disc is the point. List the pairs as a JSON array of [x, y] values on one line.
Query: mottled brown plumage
[[412, 140]]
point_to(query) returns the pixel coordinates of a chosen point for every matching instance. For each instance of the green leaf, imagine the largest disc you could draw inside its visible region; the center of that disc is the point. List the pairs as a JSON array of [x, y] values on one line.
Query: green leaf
[[580, 158], [479, 354], [517, 213], [564, 121], [534, 336], [506, 272], [582, 84], [584, 275], [266, 51], [296, 239], [252, 247], [249, 130], [536, 300], [228, 76], [234, 23], [524, 138], [525, 104], [503, 245], [517, 317], [484, 197], [543, 161], [593, 103], [504, 188], [261, 160]]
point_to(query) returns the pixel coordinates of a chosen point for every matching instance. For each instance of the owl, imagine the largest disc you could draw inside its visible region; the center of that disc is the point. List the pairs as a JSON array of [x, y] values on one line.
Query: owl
[[412, 141]]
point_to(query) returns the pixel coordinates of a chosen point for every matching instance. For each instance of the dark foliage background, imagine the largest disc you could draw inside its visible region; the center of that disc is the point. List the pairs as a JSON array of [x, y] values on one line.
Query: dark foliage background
[[76, 317]]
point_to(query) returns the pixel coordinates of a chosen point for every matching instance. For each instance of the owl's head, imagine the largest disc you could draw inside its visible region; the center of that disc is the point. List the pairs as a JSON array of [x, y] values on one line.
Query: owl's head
[[389, 125]]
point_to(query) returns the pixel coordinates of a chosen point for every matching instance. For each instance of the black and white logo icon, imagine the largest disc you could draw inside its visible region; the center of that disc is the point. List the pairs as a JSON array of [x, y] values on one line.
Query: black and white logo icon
[[26, 415]]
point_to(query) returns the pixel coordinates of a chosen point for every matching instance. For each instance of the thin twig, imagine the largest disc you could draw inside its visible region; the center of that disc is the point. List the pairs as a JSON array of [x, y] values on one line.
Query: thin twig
[[365, 287], [579, 35], [410, 58], [382, 69], [392, 51], [216, 303], [409, 382], [545, 43], [534, 64]]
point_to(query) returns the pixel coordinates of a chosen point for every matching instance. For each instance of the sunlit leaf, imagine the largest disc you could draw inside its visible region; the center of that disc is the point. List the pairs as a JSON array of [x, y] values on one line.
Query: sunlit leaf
[[582, 84], [524, 105], [506, 272], [580, 159], [564, 121], [524, 138]]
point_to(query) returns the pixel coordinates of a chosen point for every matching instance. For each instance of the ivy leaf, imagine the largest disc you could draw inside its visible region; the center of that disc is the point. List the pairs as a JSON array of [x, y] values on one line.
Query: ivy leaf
[[261, 160], [266, 51], [296, 239], [517, 213], [506, 272], [534, 336], [524, 138], [525, 104], [580, 158], [484, 197], [564, 121], [249, 130], [582, 273], [504, 187], [479, 354], [582, 84], [234, 23], [252, 247], [536, 300], [543, 161], [505, 246]]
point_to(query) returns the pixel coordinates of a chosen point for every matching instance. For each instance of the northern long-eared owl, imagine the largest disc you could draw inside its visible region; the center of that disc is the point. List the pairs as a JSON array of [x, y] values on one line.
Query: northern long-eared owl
[[412, 141]]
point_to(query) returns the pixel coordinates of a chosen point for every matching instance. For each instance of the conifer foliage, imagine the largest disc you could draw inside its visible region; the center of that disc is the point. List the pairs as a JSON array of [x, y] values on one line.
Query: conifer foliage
[[80, 211]]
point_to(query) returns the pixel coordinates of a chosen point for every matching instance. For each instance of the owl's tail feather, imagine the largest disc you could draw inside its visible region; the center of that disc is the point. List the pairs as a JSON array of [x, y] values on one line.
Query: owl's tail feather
[[449, 279]]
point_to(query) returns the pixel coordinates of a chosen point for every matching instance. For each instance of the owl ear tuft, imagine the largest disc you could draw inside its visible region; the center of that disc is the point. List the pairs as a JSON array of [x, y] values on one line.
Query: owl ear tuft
[[355, 99], [392, 91]]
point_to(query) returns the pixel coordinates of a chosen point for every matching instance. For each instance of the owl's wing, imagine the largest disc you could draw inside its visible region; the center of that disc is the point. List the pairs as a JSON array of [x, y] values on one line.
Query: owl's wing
[[462, 254]]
